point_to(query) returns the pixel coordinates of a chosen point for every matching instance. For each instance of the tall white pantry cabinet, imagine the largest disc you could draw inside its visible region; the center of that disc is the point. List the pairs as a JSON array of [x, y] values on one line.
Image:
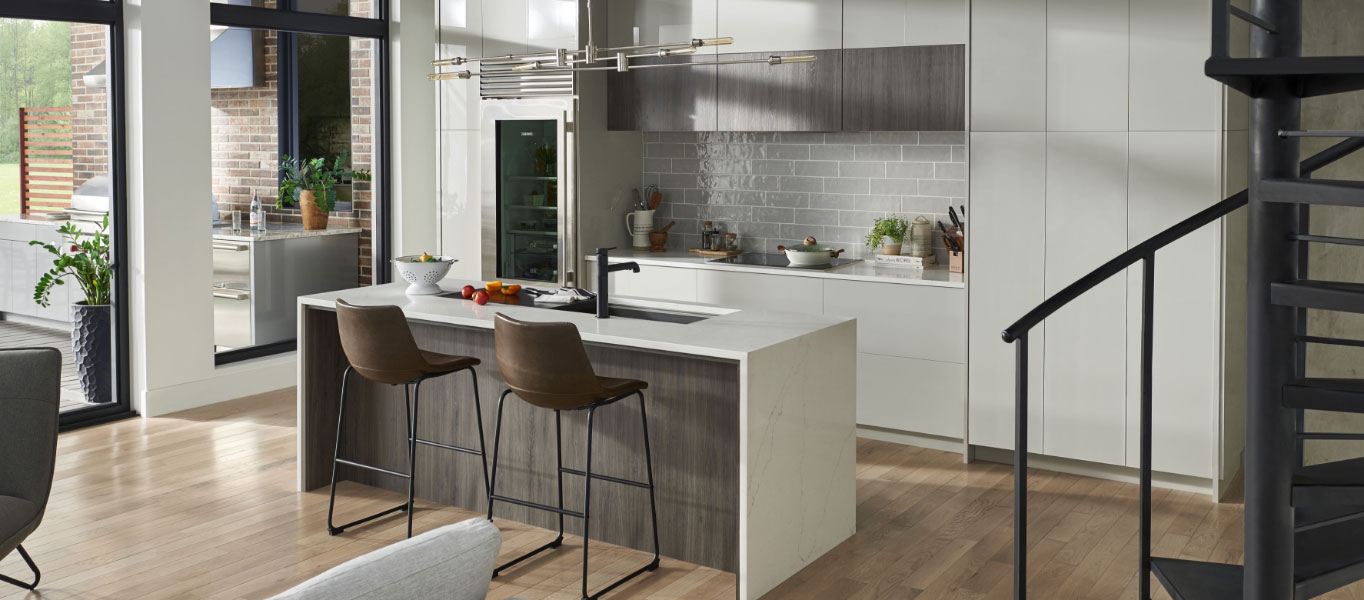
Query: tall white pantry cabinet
[[1092, 129]]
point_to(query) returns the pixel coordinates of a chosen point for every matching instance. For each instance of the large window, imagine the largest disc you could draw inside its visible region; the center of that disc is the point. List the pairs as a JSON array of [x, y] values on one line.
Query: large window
[[61, 184], [302, 79]]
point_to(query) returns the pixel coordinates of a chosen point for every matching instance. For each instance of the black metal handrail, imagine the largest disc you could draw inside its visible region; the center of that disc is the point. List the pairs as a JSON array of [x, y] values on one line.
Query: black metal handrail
[[1018, 332]]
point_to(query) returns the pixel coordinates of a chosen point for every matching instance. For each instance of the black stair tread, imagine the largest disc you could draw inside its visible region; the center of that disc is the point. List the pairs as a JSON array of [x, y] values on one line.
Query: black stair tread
[[1311, 517], [1330, 192], [1324, 295], [1195, 580], [1309, 76], [1317, 393], [1341, 472], [1328, 557], [1339, 483]]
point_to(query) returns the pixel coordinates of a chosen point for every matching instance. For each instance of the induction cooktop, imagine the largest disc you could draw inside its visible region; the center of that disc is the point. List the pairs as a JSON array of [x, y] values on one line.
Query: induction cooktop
[[760, 259]]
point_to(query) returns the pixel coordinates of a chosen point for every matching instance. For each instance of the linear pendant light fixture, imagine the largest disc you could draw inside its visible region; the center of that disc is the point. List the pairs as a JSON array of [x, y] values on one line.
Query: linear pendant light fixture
[[591, 57]]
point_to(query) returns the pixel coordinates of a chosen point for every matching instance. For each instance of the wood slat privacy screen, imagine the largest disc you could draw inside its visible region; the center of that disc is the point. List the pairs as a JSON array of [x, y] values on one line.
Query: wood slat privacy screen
[[45, 159]]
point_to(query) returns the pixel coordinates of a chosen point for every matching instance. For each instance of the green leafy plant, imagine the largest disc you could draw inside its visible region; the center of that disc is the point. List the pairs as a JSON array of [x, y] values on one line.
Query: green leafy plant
[[314, 175], [85, 259], [892, 227]]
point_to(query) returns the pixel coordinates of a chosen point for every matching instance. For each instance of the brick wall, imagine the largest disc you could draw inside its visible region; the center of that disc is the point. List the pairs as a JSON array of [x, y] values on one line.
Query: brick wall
[[90, 113]]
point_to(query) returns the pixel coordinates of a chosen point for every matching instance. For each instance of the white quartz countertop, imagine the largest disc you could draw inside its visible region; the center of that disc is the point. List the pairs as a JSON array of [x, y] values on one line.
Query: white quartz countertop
[[729, 334], [866, 270], [277, 232]]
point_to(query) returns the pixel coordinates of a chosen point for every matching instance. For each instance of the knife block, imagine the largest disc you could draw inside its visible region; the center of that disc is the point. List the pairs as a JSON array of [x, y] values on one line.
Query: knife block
[[956, 261]]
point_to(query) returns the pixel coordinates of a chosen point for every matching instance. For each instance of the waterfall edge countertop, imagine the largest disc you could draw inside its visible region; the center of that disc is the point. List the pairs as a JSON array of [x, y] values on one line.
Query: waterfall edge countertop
[[866, 270], [728, 333], [752, 419]]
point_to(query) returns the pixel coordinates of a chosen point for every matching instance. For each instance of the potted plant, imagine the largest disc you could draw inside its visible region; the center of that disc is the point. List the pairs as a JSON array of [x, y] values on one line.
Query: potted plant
[[313, 181], [86, 260], [888, 233]]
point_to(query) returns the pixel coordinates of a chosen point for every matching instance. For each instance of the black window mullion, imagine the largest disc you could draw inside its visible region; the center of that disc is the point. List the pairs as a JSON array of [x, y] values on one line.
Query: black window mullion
[[255, 17], [82, 11]]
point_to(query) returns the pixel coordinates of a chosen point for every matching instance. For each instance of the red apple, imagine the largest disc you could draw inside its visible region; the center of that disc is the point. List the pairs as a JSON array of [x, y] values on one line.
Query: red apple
[[480, 297], [467, 292]]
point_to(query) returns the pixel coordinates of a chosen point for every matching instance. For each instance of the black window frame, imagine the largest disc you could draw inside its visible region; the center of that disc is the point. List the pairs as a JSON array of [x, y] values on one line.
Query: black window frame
[[288, 22], [109, 14]]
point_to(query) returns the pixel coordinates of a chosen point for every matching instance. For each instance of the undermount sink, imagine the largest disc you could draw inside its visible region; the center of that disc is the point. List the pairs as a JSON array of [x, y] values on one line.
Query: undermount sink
[[631, 312]]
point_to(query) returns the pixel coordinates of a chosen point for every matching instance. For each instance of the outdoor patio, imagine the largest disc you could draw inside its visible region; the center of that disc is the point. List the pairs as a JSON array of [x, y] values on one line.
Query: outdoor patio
[[20, 335]]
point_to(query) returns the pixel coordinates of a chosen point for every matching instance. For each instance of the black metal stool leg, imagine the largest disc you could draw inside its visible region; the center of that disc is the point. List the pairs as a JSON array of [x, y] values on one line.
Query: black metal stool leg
[[497, 444], [336, 452], [649, 470], [482, 444], [412, 409], [587, 496], [559, 470], [37, 575]]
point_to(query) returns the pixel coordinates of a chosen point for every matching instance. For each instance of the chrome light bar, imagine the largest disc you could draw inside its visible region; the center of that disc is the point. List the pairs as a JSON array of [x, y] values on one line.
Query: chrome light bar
[[625, 66]]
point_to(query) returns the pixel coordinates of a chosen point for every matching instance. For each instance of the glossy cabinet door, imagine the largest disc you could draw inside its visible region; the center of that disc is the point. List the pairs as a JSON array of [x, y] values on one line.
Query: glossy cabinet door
[[1086, 348], [1172, 176], [910, 321], [652, 282], [1006, 265], [1169, 42], [874, 23], [459, 33], [1008, 65], [935, 22], [793, 97], [552, 24], [8, 282], [918, 396], [640, 22], [768, 26], [505, 27], [1086, 65], [760, 291], [909, 88]]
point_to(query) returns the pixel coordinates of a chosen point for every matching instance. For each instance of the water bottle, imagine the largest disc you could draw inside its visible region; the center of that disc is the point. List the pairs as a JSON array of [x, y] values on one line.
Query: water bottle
[[257, 213]]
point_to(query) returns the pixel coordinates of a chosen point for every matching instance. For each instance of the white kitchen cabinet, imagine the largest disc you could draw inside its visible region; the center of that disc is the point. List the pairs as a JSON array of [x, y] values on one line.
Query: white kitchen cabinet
[[1008, 65], [460, 33], [651, 282], [639, 22], [935, 22], [23, 277], [1085, 374], [908, 321], [505, 27], [920, 396], [1169, 42], [459, 201], [1086, 73], [1172, 176], [1008, 213], [779, 25], [874, 23], [761, 291], [552, 24], [8, 282]]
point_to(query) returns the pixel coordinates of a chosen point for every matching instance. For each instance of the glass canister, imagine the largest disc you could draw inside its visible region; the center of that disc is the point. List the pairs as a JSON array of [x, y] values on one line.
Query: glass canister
[[732, 242], [920, 237]]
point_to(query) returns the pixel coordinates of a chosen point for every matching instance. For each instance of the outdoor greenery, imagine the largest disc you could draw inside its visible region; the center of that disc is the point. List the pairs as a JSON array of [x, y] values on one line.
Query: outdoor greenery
[[85, 260], [892, 227], [35, 70], [9, 189], [316, 175]]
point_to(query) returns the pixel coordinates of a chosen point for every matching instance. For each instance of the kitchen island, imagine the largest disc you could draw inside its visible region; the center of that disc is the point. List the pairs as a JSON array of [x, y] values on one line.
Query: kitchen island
[[751, 418]]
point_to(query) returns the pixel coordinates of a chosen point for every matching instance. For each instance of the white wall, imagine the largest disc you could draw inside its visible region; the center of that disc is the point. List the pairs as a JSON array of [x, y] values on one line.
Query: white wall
[[169, 166]]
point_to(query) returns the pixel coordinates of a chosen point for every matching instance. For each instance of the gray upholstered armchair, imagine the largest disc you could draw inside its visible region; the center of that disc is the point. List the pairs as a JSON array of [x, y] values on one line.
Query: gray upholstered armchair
[[30, 398]]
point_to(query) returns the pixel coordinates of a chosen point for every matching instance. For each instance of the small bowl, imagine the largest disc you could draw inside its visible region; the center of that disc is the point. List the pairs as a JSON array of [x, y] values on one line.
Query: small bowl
[[423, 276]]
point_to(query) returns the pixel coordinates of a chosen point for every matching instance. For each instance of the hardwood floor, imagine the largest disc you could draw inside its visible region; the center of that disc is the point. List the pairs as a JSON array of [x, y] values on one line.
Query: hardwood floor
[[201, 505]]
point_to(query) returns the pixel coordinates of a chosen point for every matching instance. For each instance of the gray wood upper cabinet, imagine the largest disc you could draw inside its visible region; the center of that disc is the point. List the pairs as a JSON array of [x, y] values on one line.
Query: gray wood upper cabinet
[[906, 88], [662, 99], [791, 97]]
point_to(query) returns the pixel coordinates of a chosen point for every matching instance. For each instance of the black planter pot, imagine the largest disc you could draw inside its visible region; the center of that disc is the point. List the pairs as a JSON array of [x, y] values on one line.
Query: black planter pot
[[92, 344]]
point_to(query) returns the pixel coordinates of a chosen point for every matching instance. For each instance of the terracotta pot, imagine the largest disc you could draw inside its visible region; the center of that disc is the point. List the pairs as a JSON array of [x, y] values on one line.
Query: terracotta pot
[[313, 217], [891, 248]]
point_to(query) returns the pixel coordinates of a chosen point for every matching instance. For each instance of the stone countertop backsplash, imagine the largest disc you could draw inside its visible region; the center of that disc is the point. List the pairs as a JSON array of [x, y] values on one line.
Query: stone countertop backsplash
[[777, 188]]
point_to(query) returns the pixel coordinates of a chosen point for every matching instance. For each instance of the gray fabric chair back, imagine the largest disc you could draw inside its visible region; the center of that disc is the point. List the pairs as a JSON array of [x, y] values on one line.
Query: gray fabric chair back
[[30, 398]]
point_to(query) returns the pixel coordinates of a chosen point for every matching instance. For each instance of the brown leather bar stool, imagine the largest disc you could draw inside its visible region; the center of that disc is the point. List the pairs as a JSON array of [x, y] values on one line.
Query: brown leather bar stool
[[379, 346], [547, 366]]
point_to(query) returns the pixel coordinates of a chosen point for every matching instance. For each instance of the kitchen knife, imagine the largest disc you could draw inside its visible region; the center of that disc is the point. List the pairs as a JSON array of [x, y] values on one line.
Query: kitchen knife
[[950, 244], [942, 227], [952, 213]]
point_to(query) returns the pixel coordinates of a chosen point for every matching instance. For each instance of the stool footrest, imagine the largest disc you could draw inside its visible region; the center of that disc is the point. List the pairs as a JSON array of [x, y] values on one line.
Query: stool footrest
[[558, 541], [640, 484], [341, 528], [448, 447], [617, 583], [372, 468], [529, 504]]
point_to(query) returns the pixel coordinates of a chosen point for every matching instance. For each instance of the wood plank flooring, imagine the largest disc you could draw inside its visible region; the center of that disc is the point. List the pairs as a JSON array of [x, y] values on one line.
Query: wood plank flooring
[[201, 505], [22, 335]]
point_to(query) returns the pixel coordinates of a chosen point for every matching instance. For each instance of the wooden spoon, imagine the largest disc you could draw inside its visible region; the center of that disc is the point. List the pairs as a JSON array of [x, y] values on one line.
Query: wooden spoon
[[655, 200]]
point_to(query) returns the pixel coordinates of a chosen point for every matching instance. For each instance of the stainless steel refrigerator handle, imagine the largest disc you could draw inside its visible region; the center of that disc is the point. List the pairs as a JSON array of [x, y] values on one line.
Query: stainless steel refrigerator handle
[[231, 295], [232, 247]]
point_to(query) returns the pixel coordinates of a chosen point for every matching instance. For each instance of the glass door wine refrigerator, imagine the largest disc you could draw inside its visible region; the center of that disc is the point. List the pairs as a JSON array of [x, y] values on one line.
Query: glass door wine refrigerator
[[528, 190]]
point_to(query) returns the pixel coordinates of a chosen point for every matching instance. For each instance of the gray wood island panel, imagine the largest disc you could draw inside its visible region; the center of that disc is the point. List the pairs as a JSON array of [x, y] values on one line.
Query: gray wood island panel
[[693, 411]]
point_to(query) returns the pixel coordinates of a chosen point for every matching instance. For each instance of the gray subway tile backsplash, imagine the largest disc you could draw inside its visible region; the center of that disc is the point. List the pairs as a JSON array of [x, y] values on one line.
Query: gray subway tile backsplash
[[777, 188]]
